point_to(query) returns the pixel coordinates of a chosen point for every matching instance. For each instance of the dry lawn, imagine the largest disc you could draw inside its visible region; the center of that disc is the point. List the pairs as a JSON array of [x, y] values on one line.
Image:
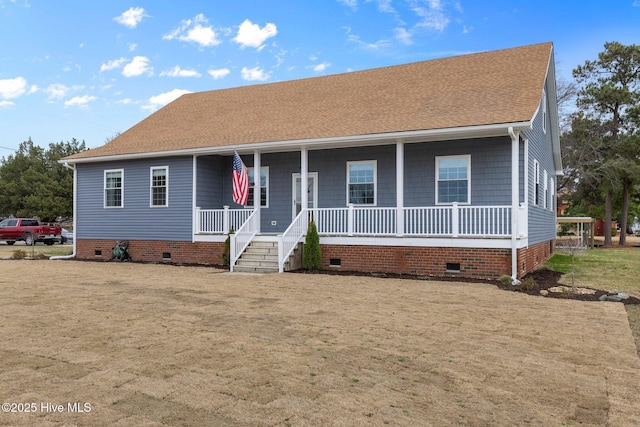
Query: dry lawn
[[156, 345]]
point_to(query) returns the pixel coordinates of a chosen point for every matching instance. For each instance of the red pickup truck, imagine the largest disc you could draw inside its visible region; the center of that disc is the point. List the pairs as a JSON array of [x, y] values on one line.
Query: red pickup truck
[[30, 231]]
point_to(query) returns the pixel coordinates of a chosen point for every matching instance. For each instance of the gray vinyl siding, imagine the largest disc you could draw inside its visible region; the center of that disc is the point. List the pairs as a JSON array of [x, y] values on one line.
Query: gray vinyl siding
[[136, 220], [542, 221], [209, 193], [490, 170]]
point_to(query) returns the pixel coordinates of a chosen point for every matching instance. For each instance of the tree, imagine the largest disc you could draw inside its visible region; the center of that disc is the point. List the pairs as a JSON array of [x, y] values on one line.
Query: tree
[[312, 252], [611, 93], [33, 183]]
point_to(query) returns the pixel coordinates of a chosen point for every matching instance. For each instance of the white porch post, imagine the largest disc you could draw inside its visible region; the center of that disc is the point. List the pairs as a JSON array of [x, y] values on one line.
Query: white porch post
[[304, 178], [515, 199], [256, 189], [399, 188]]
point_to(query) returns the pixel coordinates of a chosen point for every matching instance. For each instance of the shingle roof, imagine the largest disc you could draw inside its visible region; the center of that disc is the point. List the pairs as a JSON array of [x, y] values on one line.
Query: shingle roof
[[496, 87]]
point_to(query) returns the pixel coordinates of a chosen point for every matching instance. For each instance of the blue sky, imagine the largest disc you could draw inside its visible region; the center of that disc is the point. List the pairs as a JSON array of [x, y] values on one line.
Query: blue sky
[[90, 69]]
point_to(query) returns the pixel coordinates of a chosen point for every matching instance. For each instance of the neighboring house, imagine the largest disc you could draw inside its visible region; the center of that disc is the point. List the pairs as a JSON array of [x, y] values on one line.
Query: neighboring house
[[442, 167]]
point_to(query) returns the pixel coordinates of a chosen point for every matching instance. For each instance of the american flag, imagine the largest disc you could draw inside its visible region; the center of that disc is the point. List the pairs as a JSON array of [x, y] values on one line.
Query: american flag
[[240, 181]]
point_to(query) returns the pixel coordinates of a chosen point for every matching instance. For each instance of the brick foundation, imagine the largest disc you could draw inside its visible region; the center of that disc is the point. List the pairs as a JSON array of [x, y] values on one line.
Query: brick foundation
[[208, 253], [423, 261], [534, 256], [427, 261], [431, 261]]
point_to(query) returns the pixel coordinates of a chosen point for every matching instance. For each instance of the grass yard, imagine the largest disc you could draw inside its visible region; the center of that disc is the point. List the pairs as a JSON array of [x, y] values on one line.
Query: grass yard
[[161, 345], [613, 269]]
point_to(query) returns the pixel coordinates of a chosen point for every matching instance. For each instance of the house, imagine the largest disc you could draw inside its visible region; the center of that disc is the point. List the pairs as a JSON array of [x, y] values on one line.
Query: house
[[442, 167]]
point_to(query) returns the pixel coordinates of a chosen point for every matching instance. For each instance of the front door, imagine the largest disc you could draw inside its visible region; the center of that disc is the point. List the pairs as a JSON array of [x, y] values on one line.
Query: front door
[[312, 192]]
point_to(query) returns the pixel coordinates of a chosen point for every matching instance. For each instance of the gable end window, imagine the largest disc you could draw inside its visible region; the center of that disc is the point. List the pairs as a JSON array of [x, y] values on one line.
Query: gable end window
[[361, 183], [264, 186], [453, 179], [159, 195], [114, 188]]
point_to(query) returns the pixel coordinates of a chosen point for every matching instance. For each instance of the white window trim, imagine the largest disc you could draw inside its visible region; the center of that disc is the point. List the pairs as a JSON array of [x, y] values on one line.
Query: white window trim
[[546, 190], [536, 182], [544, 110], [250, 199], [468, 157], [552, 184], [104, 189], [151, 169], [375, 182]]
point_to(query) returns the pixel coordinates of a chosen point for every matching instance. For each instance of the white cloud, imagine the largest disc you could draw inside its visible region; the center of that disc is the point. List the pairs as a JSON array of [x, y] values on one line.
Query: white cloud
[[179, 72], [110, 65], [138, 66], [125, 101], [80, 101], [12, 88], [219, 73], [251, 35], [350, 3], [132, 47], [194, 31], [321, 67], [432, 17], [380, 44], [131, 18], [252, 74], [58, 91], [404, 36], [6, 104], [163, 99]]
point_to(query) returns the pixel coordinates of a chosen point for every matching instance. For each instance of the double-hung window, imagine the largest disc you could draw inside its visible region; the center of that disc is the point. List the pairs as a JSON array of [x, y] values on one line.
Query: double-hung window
[[264, 186], [453, 179], [546, 190], [536, 183], [159, 195], [114, 188], [361, 183]]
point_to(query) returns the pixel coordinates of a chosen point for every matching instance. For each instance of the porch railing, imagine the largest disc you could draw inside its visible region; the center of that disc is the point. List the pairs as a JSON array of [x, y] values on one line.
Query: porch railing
[[434, 221], [290, 238], [242, 237], [220, 221]]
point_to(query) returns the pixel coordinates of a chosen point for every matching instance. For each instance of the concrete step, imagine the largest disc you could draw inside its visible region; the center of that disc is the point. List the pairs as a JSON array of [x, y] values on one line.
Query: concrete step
[[260, 257], [260, 270], [257, 263]]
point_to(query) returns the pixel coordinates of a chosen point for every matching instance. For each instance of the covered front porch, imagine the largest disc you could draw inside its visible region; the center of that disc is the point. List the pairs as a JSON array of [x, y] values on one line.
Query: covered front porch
[[396, 209]]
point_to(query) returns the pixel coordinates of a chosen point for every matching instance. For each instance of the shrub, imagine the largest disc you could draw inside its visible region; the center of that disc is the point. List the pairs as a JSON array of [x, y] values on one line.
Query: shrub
[[226, 252], [312, 254], [19, 254], [526, 285]]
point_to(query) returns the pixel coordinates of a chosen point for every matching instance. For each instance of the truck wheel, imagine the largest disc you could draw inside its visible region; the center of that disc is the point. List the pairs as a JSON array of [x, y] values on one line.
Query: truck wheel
[[10, 242], [28, 239], [49, 242]]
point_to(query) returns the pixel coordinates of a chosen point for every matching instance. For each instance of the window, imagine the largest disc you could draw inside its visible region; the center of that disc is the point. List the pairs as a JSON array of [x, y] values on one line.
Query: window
[[113, 188], [361, 183], [544, 111], [536, 182], [453, 179], [552, 184], [546, 190], [159, 186], [264, 187]]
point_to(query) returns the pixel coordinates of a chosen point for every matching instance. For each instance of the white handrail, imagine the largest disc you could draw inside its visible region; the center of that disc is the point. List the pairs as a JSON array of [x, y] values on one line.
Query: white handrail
[[291, 237], [241, 238]]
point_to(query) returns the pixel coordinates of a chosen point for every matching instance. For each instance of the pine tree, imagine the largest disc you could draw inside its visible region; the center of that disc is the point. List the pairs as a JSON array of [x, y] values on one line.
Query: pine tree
[[312, 254]]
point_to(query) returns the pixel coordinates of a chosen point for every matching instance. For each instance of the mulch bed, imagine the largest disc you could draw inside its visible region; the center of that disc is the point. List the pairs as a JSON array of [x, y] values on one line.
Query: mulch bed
[[543, 280]]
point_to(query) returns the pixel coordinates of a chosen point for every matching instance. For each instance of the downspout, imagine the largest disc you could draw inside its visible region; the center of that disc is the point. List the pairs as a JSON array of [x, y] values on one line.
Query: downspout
[[75, 205], [515, 197]]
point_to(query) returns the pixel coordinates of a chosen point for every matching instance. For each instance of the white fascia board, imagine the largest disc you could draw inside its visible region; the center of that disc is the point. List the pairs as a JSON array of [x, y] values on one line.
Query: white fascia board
[[484, 131]]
